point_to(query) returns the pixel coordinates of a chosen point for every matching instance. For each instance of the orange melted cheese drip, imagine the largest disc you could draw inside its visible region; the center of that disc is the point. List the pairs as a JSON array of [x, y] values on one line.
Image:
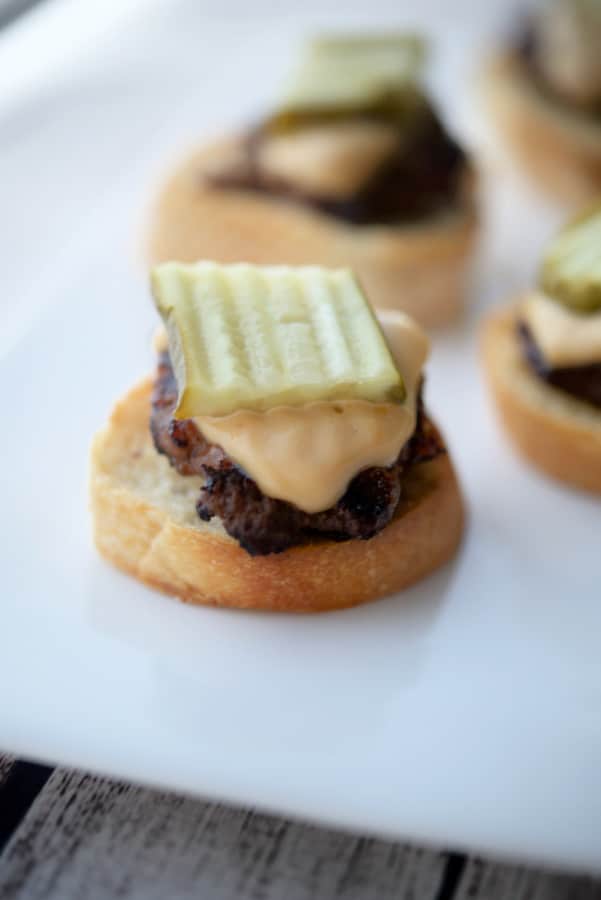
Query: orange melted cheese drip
[[307, 455]]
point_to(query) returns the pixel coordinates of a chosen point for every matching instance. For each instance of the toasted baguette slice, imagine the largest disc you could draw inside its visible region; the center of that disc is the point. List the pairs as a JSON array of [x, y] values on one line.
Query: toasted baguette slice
[[145, 523], [559, 149], [420, 269], [558, 433]]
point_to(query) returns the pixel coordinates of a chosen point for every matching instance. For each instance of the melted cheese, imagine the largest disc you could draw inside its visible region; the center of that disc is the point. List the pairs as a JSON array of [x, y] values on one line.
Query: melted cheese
[[333, 160], [308, 455], [309, 459], [564, 337]]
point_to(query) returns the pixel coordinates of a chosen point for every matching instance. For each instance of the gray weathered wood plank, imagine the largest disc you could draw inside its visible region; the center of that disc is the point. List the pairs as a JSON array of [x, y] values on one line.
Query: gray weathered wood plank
[[91, 838], [492, 881], [6, 763], [86, 837]]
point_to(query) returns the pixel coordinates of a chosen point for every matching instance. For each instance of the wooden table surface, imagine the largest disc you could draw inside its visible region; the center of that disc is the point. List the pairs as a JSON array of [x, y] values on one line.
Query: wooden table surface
[[70, 836]]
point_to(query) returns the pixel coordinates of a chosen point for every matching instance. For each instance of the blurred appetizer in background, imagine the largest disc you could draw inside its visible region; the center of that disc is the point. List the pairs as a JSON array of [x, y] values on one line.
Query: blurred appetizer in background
[[281, 457], [543, 359], [545, 94], [354, 168]]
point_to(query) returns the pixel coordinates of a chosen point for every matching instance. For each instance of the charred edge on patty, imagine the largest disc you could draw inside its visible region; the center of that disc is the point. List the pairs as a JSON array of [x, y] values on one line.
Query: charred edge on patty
[[259, 523], [422, 177], [582, 382]]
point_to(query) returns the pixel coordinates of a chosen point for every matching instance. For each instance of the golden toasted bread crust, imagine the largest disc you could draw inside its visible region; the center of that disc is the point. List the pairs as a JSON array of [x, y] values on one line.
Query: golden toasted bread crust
[[420, 269], [558, 433], [559, 149], [146, 524]]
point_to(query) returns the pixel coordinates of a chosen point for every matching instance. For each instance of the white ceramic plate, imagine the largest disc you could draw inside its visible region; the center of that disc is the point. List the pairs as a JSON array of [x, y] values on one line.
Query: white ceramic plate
[[466, 712]]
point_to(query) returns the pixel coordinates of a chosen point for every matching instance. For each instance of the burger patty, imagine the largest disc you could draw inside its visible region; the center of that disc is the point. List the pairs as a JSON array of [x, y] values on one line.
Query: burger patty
[[421, 178], [262, 524], [583, 382]]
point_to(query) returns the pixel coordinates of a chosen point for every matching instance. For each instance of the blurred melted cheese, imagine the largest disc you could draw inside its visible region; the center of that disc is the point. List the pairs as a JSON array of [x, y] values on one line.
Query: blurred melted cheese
[[564, 337], [333, 160]]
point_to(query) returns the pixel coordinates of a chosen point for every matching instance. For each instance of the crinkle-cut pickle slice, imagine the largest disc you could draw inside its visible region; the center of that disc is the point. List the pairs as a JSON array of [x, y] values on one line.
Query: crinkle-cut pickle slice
[[571, 268], [343, 75], [256, 337]]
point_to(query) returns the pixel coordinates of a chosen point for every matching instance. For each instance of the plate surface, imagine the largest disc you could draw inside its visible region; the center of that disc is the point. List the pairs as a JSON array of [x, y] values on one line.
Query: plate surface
[[465, 712]]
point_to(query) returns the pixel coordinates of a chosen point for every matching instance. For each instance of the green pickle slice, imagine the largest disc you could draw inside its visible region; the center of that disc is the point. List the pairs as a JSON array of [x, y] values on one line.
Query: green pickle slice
[[256, 337], [571, 268], [340, 76]]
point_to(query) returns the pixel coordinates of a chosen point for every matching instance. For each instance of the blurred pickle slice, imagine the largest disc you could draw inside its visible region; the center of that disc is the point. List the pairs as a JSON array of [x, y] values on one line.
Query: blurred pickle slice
[[571, 267], [256, 337], [342, 76]]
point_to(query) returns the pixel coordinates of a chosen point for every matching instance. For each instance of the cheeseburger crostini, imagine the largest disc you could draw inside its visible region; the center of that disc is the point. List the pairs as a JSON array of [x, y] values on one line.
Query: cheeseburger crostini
[[281, 456], [353, 168], [544, 92], [543, 359]]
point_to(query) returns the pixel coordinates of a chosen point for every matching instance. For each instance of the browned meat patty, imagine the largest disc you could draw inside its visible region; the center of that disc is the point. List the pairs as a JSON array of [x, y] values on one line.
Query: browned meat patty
[[180, 439], [583, 382], [261, 524], [418, 180]]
